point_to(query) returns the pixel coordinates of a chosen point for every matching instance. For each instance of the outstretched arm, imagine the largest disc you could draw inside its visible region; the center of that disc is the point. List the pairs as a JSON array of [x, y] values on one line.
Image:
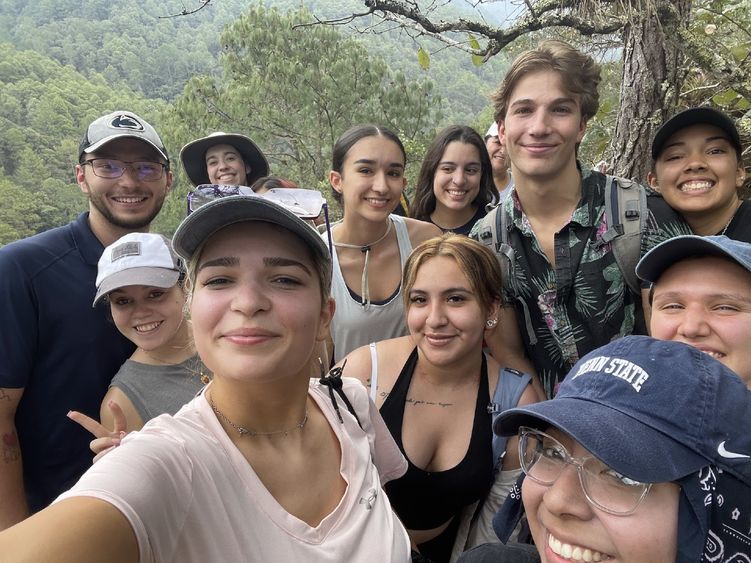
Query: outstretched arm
[[75, 530]]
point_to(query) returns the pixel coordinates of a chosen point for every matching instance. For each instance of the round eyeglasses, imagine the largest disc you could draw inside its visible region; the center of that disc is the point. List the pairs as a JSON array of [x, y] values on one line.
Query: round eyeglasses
[[111, 168], [543, 459]]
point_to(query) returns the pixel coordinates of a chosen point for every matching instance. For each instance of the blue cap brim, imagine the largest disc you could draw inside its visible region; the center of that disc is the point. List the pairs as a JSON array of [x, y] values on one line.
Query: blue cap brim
[[620, 441], [673, 250]]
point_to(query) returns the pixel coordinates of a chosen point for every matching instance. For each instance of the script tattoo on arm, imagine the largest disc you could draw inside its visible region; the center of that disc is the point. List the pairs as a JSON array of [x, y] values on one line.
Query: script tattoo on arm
[[4, 395]]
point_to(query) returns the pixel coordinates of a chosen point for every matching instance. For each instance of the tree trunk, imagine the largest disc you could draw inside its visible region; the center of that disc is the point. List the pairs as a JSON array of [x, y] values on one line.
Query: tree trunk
[[652, 77]]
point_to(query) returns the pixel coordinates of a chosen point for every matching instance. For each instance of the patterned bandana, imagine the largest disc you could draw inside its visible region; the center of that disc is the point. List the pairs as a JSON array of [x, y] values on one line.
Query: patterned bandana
[[714, 524]]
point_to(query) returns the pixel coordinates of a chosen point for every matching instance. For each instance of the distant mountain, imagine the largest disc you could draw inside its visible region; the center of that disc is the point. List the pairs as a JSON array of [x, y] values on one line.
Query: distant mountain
[[134, 43]]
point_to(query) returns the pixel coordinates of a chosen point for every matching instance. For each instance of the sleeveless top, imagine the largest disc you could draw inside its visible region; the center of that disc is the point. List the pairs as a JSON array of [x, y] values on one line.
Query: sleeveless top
[[355, 324], [155, 390], [422, 499]]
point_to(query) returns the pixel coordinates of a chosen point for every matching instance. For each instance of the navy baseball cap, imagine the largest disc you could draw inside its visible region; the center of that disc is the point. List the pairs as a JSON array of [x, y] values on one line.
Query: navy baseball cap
[[695, 116], [654, 263], [653, 410]]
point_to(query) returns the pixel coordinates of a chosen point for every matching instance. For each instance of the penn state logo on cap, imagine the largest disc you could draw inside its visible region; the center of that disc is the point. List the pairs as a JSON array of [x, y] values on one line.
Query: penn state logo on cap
[[118, 125], [126, 121]]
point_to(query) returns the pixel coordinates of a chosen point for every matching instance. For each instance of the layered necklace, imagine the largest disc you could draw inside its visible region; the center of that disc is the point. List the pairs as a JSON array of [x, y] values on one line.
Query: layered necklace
[[365, 249], [243, 431]]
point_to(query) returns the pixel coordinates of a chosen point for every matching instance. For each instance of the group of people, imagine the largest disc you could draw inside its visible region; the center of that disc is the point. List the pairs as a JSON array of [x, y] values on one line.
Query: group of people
[[387, 388]]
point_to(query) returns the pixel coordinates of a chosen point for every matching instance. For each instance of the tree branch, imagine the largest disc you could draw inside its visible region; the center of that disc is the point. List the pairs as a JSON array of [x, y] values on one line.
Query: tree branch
[[549, 13], [186, 12], [736, 77]]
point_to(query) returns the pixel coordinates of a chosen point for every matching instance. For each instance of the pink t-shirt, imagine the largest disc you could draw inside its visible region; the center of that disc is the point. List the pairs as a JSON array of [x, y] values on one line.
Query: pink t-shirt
[[191, 496]]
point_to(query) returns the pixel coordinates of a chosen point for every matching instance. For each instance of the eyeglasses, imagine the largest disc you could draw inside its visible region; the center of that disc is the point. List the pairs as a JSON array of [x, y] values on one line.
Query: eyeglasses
[[111, 168], [543, 459], [306, 204]]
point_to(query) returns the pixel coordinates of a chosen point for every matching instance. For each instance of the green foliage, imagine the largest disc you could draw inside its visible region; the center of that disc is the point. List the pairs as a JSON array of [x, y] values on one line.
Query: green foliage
[[125, 40], [423, 58], [295, 88], [44, 108]]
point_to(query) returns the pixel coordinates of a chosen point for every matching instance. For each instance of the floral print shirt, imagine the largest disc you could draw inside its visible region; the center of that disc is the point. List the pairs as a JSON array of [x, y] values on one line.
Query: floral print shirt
[[582, 302]]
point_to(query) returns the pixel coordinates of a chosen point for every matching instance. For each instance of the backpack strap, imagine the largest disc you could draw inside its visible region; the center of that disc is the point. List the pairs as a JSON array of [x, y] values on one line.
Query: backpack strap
[[508, 390], [626, 218], [494, 233], [373, 371]]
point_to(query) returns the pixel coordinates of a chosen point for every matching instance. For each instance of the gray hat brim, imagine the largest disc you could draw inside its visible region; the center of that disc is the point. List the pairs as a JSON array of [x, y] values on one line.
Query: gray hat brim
[[197, 227], [665, 254], [193, 157], [106, 140], [148, 276]]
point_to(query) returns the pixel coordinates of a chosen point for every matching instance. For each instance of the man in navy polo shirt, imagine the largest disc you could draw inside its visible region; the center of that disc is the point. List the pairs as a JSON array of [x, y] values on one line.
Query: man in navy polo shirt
[[57, 353]]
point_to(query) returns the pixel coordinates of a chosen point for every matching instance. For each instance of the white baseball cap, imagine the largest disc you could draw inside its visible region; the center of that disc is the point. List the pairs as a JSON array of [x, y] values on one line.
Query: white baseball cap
[[137, 259]]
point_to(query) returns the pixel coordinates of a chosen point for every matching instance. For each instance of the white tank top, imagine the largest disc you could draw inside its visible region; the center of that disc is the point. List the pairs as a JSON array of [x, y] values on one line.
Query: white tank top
[[355, 324]]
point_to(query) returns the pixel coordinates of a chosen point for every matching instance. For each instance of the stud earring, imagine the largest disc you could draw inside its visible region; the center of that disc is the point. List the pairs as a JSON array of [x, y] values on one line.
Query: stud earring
[[490, 323]]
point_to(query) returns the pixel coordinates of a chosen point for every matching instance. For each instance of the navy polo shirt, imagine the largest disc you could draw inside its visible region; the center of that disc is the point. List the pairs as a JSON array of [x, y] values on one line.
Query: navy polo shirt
[[58, 348]]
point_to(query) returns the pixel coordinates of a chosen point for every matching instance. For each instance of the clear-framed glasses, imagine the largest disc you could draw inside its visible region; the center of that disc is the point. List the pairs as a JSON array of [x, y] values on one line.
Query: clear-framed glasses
[[543, 459], [306, 204], [209, 192], [111, 168]]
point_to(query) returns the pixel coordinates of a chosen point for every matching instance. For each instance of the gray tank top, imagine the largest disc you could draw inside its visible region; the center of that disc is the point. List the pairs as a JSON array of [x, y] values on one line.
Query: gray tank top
[[355, 324], [156, 390]]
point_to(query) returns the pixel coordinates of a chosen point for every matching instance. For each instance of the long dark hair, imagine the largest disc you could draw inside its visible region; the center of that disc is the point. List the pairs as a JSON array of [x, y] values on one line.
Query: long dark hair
[[424, 201], [348, 140]]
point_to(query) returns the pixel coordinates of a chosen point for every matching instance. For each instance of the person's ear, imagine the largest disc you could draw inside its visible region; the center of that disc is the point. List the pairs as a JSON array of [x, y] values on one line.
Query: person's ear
[[81, 178], [582, 130], [652, 180], [327, 314], [335, 179], [492, 315], [740, 174], [170, 179]]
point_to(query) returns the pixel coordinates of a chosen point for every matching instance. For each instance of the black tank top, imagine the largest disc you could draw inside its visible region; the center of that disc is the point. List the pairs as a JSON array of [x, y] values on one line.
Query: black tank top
[[422, 499]]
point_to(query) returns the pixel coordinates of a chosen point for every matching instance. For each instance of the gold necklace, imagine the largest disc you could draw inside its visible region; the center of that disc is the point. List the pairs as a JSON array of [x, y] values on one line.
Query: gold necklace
[[731, 218], [204, 377], [245, 432]]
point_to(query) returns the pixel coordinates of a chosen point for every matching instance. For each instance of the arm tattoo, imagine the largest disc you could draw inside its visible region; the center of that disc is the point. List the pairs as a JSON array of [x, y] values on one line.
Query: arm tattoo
[[11, 451], [4, 395]]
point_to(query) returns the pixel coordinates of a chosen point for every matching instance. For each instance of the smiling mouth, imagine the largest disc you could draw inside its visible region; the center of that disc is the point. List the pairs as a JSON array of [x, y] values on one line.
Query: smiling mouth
[[129, 200], [377, 201], [713, 354], [439, 339], [148, 327], [574, 552], [696, 186], [457, 193]]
